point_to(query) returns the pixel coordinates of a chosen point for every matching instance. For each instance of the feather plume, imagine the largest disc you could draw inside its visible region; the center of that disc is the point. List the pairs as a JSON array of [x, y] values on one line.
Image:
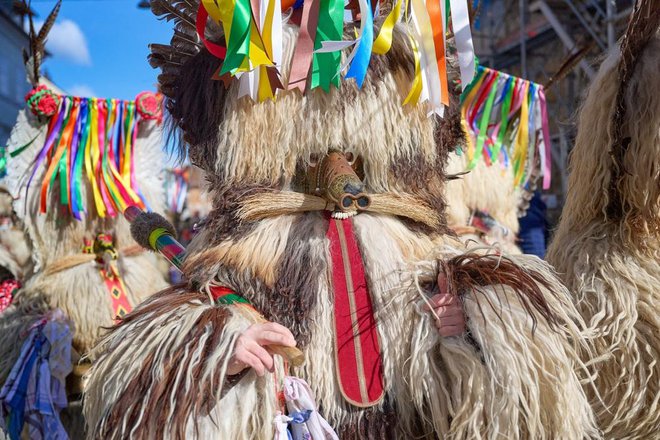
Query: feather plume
[[38, 43], [569, 64], [48, 25], [179, 11], [36, 57]]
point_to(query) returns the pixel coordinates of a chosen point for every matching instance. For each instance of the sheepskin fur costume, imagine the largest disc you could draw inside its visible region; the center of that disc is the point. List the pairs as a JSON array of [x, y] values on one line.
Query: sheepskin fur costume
[[488, 189], [14, 248], [161, 373], [62, 278], [607, 247]]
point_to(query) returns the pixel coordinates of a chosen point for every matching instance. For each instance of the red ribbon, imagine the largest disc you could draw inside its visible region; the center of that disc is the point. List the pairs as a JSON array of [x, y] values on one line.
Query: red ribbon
[[215, 49]]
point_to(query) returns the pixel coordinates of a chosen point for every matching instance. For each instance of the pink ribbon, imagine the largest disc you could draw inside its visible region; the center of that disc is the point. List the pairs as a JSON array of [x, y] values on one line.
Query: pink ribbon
[[547, 165], [302, 57]]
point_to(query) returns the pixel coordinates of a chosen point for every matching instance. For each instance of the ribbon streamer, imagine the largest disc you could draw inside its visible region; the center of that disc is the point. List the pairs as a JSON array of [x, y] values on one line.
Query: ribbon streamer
[[253, 30], [507, 117], [94, 138]]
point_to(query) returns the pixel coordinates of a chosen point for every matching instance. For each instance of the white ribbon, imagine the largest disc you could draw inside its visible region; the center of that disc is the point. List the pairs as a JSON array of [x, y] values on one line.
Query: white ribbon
[[460, 18], [423, 33]]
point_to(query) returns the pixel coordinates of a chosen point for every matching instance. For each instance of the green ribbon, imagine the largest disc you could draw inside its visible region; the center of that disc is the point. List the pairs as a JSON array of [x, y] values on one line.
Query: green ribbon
[[64, 197], [232, 298], [504, 116], [19, 150], [483, 124], [325, 66], [469, 87], [56, 145], [3, 161], [238, 46]]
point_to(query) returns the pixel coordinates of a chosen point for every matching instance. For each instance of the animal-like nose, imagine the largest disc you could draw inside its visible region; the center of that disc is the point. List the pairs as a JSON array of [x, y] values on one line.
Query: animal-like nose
[[354, 188]]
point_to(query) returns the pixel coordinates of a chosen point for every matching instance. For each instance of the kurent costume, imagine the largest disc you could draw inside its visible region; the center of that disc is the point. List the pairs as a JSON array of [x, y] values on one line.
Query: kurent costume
[[607, 247], [14, 249], [329, 219], [507, 150], [75, 164]]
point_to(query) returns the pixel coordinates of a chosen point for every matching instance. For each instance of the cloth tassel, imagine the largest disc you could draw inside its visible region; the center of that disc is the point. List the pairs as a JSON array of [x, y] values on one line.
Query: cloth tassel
[[304, 419], [34, 393]]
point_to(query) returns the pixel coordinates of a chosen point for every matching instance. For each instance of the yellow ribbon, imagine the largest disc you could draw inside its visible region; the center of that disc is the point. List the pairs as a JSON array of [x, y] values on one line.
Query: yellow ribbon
[[467, 104], [383, 42], [416, 88], [522, 137], [91, 158]]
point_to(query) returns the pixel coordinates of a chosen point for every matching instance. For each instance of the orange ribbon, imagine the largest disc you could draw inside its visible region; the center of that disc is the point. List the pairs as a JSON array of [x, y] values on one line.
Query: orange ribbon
[[435, 16]]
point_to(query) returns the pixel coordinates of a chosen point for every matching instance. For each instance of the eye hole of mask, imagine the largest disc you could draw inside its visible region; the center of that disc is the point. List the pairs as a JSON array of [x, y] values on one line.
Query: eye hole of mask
[[346, 202], [350, 157], [313, 159], [363, 202]]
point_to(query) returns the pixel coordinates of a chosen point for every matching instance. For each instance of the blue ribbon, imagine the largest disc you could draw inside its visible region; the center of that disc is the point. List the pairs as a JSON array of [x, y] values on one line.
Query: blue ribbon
[[360, 63]]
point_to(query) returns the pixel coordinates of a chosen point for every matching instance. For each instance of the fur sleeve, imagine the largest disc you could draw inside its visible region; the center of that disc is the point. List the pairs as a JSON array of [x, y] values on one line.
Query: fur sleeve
[[167, 359]]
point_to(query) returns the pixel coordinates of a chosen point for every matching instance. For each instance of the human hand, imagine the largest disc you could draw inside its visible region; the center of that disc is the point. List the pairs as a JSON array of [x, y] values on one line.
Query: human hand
[[448, 309], [251, 348]]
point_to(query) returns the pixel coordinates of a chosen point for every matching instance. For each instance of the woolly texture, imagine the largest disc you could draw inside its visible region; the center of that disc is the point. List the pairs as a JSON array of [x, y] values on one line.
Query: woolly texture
[[489, 189], [517, 383], [612, 264], [78, 291], [145, 224], [172, 383]]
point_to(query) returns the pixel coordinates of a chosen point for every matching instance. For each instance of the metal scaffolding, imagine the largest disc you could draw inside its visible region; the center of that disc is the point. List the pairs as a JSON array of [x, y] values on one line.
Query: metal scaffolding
[[532, 39]]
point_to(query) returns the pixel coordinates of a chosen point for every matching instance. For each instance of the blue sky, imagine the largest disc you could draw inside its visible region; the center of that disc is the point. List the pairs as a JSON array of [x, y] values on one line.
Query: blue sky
[[99, 47]]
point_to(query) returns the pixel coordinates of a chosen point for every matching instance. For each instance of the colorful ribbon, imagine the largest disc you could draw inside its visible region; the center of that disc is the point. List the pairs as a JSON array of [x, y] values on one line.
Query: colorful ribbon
[[95, 138], [253, 32], [506, 117]]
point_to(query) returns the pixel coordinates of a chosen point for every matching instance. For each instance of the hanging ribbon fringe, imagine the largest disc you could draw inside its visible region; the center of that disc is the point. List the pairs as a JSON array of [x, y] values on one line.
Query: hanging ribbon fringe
[[93, 140], [507, 123], [176, 184], [253, 35]]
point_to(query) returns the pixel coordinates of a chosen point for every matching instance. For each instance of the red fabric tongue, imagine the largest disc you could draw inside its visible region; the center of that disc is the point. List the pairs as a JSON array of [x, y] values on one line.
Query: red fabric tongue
[[357, 350]]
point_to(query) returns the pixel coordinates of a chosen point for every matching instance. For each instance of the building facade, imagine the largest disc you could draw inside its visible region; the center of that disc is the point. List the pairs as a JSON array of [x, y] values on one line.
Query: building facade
[[13, 81]]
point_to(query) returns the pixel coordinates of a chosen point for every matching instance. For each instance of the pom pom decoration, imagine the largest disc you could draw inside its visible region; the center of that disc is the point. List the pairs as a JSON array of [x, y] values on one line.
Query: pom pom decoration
[[7, 290], [42, 101], [149, 106]]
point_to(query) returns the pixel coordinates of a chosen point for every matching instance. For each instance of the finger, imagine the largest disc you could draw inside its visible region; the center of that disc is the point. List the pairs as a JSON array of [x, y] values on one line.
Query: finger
[[444, 299], [438, 300], [278, 328], [253, 361], [263, 355], [273, 338], [450, 310], [453, 330], [449, 321]]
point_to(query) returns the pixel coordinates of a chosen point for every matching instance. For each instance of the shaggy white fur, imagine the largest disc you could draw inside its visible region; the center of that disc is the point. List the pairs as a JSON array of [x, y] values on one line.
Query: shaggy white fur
[[517, 385], [612, 264], [488, 189], [78, 291]]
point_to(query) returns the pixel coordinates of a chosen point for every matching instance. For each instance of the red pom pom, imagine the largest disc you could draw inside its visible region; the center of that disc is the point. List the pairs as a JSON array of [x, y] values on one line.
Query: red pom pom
[[149, 106], [42, 101]]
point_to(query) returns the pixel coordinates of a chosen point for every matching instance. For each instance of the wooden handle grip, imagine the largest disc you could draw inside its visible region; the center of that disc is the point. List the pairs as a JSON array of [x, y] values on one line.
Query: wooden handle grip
[[295, 357]]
